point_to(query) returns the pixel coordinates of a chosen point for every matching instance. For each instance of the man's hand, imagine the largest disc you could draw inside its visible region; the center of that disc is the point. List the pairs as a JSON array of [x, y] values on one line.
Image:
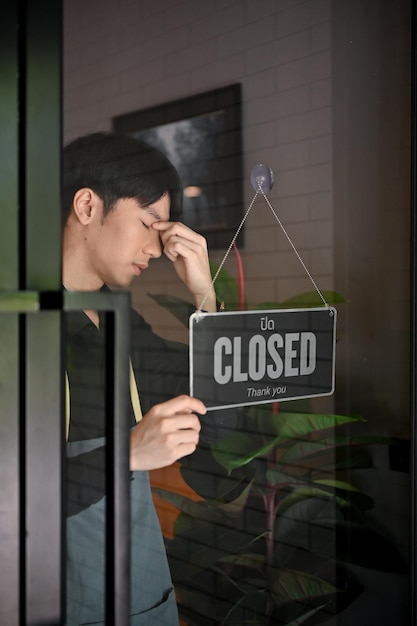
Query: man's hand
[[188, 252], [167, 432]]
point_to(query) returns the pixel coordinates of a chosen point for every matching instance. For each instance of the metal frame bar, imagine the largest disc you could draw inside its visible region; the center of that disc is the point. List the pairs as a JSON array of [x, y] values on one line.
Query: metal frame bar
[[413, 328], [41, 455], [46, 606], [117, 453], [9, 368], [31, 364]]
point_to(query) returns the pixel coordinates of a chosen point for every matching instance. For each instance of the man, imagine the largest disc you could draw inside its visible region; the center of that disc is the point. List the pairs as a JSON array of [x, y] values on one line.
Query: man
[[118, 194]]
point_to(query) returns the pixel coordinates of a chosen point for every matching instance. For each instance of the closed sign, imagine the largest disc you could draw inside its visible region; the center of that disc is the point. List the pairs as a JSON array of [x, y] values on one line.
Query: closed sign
[[251, 357]]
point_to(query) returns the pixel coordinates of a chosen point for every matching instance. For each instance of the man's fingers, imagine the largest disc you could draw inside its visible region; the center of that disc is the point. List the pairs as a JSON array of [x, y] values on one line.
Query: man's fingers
[[168, 431], [181, 404], [179, 230]]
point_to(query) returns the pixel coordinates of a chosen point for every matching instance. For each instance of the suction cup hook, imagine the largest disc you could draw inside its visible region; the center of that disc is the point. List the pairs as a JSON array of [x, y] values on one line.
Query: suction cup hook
[[262, 178]]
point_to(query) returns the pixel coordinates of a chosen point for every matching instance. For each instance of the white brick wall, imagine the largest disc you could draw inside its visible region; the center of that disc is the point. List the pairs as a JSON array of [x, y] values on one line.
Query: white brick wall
[[120, 56]]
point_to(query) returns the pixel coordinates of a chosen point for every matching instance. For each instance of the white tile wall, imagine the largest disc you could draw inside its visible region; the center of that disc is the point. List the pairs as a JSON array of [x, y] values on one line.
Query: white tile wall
[[120, 56]]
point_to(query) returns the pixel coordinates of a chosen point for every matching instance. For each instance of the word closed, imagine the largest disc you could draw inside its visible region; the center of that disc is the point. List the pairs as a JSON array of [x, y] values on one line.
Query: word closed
[[293, 354]]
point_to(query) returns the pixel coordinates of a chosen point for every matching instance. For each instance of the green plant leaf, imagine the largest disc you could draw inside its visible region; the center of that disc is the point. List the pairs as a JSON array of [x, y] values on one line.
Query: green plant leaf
[[214, 511], [252, 560], [304, 493], [181, 309], [238, 449], [343, 497], [251, 609], [336, 484], [226, 287], [346, 493], [344, 458], [276, 478], [287, 585], [194, 605], [309, 299], [306, 616], [303, 449], [207, 478], [236, 506], [198, 545], [297, 426], [254, 609]]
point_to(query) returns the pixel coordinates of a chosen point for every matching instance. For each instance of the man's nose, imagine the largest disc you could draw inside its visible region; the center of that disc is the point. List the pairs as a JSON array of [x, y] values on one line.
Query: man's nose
[[153, 246]]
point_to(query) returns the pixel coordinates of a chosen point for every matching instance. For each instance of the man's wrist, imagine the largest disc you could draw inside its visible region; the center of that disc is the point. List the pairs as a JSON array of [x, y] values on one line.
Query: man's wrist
[[207, 304]]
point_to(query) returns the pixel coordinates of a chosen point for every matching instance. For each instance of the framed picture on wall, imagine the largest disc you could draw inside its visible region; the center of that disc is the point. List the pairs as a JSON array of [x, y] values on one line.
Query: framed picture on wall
[[202, 137]]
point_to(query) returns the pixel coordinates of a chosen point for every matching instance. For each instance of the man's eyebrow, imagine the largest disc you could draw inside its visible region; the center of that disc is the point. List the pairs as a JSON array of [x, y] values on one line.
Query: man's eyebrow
[[153, 212]]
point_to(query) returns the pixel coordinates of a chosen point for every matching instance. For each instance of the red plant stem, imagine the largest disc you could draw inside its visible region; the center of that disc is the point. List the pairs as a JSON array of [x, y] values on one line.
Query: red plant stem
[[269, 501], [270, 509], [240, 279]]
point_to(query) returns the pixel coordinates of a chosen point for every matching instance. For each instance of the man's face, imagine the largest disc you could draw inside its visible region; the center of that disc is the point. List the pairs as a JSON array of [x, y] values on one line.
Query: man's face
[[123, 242]]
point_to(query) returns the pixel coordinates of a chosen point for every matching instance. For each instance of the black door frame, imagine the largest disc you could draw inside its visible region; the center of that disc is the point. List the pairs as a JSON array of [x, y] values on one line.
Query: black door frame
[[32, 302], [413, 355]]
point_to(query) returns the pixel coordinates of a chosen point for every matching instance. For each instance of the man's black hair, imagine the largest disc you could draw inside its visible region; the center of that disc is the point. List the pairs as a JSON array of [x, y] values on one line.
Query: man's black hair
[[118, 166]]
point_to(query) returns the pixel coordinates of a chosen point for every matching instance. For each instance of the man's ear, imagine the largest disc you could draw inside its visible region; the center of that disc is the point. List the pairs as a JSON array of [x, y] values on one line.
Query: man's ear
[[86, 205]]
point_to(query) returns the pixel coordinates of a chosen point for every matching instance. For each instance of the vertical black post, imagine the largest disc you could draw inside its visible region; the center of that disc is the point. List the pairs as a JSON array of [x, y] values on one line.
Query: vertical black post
[[30, 428], [9, 327], [413, 316], [40, 35], [32, 422], [117, 469]]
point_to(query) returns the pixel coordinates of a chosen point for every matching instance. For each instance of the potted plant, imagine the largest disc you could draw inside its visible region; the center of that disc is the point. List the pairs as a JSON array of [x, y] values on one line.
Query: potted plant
[[278, 520]]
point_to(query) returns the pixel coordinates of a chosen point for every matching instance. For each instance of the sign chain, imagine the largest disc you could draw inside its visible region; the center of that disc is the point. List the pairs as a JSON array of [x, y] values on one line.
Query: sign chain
[[294, 248], [199, 310], [227, 252]]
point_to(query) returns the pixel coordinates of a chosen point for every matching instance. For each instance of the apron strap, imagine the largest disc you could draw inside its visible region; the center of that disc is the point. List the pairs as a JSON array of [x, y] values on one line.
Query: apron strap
[[67, 406], [134, 394]]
